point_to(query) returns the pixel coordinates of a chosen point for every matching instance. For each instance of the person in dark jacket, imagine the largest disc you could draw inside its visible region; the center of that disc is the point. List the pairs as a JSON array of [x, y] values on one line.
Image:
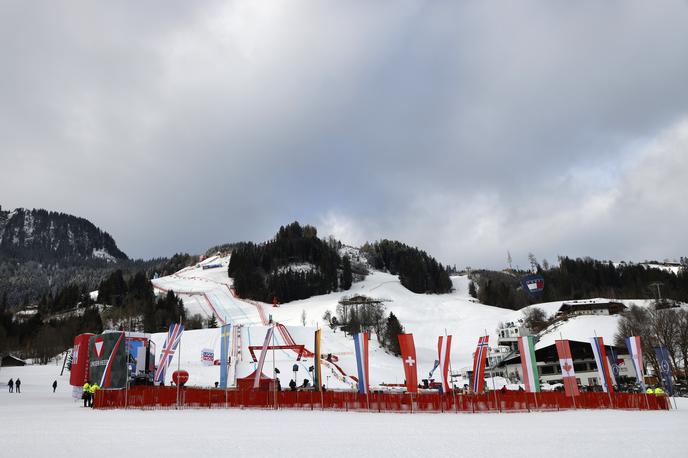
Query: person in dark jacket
[[17, 385], [54, 385], [292, 385], [11, 385]]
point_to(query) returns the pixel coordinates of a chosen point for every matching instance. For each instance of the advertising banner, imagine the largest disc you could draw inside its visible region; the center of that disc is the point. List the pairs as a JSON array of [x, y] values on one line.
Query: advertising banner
[[107, 360]]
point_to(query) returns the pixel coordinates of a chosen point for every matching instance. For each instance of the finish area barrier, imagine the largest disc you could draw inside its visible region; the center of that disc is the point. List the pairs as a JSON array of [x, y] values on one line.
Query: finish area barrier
[[148, 397]]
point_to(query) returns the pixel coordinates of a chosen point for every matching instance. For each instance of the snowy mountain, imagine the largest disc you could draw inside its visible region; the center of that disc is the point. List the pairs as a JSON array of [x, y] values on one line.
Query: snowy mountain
[[41, 235], [209, 291]]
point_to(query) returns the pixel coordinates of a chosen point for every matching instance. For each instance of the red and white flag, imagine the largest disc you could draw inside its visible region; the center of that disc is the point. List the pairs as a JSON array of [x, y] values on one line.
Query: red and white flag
[[443, 355], [408, 356], [566, 362], [479, 364]]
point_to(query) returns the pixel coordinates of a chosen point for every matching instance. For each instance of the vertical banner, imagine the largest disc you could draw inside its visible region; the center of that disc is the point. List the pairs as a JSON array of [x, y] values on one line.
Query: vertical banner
[[635, 351], [79, 366], [444, 354], [531, 375], [479, 364], [174, 336], [108, 360], [603, 368], [263, 353], [225, 333], [361, 347], [408, 356], [665, 369], [317, 374], [566, 362]]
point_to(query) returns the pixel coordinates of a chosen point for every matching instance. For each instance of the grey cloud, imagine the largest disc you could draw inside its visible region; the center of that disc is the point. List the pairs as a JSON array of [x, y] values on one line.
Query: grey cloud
[[465, 128]]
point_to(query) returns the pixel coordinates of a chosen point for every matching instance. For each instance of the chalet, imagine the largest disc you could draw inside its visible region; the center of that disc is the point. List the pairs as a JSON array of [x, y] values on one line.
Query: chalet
[[590, 307]]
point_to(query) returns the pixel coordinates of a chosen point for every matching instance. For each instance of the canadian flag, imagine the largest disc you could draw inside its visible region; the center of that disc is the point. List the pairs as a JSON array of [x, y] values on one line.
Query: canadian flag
[[566, 362], [408, 356]]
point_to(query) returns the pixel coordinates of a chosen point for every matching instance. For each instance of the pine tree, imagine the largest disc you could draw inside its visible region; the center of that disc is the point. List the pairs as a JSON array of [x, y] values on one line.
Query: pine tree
[[347, 277], [471, 289], [392, 330], [212, 322]]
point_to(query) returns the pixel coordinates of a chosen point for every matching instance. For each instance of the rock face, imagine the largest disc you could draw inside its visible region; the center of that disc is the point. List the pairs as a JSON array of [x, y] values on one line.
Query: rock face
[[40, 235]]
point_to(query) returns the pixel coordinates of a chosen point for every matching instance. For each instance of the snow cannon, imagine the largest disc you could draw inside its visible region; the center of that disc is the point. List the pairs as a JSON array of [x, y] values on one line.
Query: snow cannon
[[180, 377]]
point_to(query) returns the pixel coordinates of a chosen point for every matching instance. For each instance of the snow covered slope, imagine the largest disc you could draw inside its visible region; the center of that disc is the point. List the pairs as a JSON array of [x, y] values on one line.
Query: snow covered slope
[[208, 291]]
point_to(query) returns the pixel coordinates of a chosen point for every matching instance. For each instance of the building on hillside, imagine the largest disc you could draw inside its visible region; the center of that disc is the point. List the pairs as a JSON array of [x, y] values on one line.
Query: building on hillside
[[583, 364], [508, 334], [11, 360], [590, 307]]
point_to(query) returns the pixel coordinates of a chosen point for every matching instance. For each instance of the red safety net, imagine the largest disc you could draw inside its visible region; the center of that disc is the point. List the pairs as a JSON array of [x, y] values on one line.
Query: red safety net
[[148, 397]]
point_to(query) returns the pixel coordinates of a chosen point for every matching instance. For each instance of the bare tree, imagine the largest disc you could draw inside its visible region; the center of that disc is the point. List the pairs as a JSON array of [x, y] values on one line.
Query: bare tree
[[682, 339], [664, 324], [303, 317]]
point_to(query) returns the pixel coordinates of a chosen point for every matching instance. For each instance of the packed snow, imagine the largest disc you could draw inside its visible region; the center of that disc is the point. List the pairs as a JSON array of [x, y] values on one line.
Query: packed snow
[[40, 423]]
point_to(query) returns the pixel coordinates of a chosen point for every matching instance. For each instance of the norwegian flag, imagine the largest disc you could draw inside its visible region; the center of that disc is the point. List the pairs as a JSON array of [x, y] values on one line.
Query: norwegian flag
[[168, 349], [479, 364]]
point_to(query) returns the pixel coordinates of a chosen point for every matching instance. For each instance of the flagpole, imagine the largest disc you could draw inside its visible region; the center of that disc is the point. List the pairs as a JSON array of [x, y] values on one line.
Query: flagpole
[[274, 374], [179, 361], [450, 375]]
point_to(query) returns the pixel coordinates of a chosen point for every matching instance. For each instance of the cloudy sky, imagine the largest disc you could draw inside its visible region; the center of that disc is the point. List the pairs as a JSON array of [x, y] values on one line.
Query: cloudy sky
[[464, 128]]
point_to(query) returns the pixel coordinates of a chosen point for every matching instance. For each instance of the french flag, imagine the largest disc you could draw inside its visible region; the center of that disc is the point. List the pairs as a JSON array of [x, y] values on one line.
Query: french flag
[[361, 347]]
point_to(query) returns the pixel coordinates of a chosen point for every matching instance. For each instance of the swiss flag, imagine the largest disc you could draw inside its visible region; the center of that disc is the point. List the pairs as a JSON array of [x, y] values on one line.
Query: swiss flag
[[98, 344], [408, 356]]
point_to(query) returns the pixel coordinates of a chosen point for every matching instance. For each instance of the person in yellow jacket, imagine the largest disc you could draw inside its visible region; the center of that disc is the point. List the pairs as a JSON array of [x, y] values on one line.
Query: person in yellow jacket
[[94, 388], [86, 393], [650, 390], [659, 391]]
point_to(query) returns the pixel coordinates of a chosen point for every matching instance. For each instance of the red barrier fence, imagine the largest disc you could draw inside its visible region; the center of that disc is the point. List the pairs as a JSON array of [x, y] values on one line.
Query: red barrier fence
[[148, 397]]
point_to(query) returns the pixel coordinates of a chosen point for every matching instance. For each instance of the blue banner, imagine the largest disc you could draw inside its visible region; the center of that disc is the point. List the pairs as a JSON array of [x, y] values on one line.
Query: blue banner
[[225, 332], [665, 369]]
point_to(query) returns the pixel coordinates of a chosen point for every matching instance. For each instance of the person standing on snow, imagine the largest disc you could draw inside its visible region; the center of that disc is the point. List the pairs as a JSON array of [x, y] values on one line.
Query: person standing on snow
[[54, 385], [17, 385], [11, 385]]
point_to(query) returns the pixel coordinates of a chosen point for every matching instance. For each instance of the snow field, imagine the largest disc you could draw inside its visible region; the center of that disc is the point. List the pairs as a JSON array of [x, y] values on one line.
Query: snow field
[[40, 423]]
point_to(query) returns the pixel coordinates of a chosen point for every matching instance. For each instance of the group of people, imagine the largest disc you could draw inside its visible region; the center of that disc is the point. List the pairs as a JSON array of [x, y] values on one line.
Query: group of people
[[12, 385], [88, 393]]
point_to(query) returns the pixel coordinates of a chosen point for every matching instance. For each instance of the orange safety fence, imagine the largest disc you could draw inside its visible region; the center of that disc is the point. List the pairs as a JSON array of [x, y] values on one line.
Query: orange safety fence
[[149, 397]]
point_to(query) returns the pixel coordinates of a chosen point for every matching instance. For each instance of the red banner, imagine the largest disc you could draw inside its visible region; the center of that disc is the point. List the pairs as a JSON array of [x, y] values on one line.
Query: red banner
[[566, 362], [408, 356], [79, 369]]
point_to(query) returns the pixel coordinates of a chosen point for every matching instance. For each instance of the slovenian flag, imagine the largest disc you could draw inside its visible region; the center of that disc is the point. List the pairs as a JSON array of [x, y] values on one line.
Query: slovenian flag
[[531, 375], [361, 347], [606, 375]]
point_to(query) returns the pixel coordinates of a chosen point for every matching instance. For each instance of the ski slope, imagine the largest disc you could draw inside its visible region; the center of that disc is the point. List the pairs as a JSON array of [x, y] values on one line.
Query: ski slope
[[426, 316]]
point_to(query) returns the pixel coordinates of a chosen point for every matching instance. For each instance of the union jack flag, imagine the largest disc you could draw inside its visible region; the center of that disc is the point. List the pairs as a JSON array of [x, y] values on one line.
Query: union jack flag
[[173, 337]]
